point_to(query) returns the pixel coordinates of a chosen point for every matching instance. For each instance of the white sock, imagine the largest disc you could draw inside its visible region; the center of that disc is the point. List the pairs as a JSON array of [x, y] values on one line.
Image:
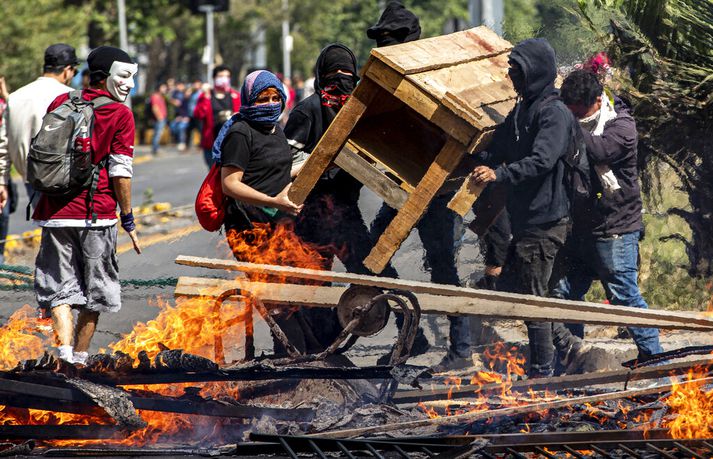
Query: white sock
[[80, 357], [65, 353]]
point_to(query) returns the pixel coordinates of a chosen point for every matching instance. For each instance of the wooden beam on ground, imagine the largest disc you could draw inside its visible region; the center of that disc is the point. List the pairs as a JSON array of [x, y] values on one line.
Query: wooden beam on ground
[[48, 397], [332, 141], [328, 296], [359, 168], [415, 206], [567, 309], [555, 383], [471, 417], [62, 432]]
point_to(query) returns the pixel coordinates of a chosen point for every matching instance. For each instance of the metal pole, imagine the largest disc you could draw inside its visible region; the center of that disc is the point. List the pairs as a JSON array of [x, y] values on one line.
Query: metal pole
[[210, 43], [123, 37], [286, 41]]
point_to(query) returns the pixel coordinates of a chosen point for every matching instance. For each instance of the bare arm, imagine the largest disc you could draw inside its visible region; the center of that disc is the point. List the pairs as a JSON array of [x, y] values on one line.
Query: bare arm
[[122, 188], [233, 186]]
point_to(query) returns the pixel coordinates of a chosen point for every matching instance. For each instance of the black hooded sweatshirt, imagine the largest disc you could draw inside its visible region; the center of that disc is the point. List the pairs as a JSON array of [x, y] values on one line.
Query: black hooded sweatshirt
[[396, 25], [528, 148], [307, 123]]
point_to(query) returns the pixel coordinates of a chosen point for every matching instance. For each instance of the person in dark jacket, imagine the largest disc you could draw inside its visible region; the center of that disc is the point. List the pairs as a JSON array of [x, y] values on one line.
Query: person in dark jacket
[[331, 220], [440, 229], [526, 154], [607, 227]]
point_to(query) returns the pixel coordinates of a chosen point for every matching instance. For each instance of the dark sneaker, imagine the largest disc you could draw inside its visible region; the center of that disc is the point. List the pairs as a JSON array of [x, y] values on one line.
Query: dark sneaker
[[420, 347], [574, 362], [487, 282], [452, 362]]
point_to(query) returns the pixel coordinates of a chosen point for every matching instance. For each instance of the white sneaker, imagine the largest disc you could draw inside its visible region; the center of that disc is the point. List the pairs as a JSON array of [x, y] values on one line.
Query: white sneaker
[[80, 357], [66, 353]]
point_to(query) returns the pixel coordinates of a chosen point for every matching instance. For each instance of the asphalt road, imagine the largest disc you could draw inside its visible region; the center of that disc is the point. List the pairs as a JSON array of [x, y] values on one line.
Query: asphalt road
[[175, 178]]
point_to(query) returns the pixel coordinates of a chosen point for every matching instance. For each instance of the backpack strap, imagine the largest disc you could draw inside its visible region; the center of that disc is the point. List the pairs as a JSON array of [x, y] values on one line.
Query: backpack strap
[[94, 185], [101, 101]]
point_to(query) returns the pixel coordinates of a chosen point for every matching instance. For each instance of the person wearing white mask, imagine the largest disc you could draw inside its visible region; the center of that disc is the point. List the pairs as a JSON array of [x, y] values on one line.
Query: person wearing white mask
[[76, 266]]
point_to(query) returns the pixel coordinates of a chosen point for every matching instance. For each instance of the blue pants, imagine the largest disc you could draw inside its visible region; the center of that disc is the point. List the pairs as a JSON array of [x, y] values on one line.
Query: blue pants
[[614, 261], [158, 127], [179, 129], [441, 232]]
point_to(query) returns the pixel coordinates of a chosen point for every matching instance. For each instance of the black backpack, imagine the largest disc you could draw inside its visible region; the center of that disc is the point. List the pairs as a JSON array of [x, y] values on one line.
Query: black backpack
[[578, 172], [56, 165]]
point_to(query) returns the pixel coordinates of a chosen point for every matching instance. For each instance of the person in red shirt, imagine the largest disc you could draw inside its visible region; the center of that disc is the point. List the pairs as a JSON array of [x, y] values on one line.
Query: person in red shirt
[[214, 108], [76, 266], [160, 115]]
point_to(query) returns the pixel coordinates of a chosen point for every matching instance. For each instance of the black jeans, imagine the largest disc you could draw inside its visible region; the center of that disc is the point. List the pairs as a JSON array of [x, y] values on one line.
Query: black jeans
[[441, 231], [527, 270], [333, 225]]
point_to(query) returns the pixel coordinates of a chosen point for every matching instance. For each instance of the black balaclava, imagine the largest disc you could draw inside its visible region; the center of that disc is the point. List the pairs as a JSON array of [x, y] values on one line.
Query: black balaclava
[[337, 58], [396, 25], [334, 90], [101, 59]]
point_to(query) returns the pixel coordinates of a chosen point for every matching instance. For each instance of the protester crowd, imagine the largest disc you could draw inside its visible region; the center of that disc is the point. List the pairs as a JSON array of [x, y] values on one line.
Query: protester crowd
[[565, 158], [185, 108]]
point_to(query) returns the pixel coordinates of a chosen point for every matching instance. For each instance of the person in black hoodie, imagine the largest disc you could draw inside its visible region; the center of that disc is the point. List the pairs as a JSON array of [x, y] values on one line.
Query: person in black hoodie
[[440, 229], [527, 154], [330, 220], [606, 228]]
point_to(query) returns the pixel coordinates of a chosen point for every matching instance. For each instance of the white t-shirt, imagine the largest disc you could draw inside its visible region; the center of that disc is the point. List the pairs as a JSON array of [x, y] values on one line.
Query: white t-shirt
[[25, 109]]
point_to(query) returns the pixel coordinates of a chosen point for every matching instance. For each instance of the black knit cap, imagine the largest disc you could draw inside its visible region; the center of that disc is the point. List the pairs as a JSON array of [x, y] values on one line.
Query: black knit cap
[[100, 60]]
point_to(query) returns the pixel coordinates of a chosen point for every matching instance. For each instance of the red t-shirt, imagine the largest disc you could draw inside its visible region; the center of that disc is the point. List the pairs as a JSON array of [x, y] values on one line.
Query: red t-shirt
[[113, 133], [158, 101]]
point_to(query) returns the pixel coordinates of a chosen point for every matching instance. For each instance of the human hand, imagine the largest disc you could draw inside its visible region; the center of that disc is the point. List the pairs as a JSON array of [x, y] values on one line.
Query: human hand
[[135, 240], [482, 175], [283, 203], [3, 196], [3, 89]]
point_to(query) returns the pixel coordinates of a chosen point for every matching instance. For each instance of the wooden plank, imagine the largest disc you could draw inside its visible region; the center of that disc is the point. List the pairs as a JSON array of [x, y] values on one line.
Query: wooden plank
[[555, 383], [468, 192], [447, 50], [387, 170], [414, 208], [401, 141], [297, 295], [424, 104], [511, 411], [476, 77], [332, 141], [371, 177], [465, 197], [677, 319]]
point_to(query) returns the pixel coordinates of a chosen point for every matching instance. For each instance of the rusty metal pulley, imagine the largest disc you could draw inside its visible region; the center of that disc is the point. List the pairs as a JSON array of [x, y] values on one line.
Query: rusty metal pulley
[[373, 320]]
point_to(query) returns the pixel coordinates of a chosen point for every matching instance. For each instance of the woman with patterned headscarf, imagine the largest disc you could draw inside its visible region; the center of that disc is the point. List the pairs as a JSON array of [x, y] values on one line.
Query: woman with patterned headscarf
[[254, 156]]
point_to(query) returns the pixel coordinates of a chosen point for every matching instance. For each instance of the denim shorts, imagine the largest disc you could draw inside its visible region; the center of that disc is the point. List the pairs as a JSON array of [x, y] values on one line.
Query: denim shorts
[[79, 267]]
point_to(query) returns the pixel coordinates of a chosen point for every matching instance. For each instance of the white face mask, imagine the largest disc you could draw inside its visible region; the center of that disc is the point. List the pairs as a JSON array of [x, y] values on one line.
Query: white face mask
[[121, 79]]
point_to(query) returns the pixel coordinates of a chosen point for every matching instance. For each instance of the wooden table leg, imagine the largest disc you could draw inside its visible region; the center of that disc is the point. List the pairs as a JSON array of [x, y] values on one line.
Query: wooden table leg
[[414, 208], [332, 141]]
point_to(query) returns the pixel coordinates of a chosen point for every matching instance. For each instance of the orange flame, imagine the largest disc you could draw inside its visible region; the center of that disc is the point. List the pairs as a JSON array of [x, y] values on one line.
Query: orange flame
[[693, 407], [191, 325], [23, 337]]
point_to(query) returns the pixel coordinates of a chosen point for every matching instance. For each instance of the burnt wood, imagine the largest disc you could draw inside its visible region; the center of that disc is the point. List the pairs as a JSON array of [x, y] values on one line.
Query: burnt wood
[[555, 382]]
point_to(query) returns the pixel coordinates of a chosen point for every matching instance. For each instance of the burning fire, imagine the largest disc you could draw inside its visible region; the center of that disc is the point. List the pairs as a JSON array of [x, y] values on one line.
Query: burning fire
[[693, 406], [192, 325], [23, 337]]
